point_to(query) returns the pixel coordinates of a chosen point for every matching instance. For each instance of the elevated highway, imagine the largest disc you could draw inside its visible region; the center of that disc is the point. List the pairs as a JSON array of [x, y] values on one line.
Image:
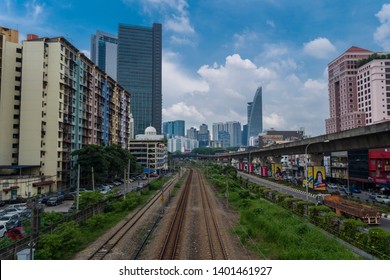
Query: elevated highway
[[368, 137]]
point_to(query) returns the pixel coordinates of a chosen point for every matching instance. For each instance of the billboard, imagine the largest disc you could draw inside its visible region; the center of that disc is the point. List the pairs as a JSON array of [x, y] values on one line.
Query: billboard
[[309, 177], [319, 183], [277, 170]]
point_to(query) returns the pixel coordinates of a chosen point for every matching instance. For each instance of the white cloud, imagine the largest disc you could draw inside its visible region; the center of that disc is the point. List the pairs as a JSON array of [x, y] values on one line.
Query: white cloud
[[179, 24], [382, 33], [320, 48], [221, 91], [183, 111], [273, 120], [270, 23], [245, 38]]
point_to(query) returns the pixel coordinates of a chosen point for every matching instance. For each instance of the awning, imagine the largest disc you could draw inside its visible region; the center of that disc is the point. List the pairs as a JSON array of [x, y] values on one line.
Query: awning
[[10, 188], [43, 183]]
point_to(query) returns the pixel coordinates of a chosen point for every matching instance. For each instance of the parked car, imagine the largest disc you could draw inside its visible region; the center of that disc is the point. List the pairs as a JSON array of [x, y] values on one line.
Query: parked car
[[9, 210], [3, 230], [332, 186], [69, 196], [354, 190], [382, 199], [9, 220], [372, 195], [16, 233], [54, 200], [26, 213]]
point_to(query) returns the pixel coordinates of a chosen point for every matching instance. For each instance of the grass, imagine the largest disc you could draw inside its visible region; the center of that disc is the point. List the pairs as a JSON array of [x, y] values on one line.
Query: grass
[[286, 236]]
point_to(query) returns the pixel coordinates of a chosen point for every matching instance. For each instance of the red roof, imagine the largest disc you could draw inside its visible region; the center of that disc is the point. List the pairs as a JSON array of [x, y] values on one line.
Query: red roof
[[43, 183], [357, 49]]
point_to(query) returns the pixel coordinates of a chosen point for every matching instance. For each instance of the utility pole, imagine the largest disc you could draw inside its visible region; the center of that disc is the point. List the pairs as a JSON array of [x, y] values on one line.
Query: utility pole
[[93, 180], [126, 182], [128, 175], [78, 188]]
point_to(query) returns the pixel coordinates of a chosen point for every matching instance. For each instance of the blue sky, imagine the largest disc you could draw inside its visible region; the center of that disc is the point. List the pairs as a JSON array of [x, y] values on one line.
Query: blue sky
[[217, 52]]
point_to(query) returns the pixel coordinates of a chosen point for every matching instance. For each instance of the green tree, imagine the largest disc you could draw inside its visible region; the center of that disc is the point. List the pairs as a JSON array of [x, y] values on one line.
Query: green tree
[[118, 161], [92, 156]]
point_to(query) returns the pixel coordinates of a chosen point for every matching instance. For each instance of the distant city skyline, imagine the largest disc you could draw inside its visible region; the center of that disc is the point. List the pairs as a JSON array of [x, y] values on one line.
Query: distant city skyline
[[211, 65]]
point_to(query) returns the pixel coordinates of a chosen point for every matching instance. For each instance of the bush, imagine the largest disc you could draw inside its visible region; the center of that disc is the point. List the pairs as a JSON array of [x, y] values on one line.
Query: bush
[[59, 245], [379, 243]]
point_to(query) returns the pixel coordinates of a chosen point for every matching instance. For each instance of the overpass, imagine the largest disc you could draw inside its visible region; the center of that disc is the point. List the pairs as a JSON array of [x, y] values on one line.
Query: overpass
[[368, 137]]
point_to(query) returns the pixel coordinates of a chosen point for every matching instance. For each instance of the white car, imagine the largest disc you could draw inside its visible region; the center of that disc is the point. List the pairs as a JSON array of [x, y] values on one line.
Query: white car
[[382, 199]]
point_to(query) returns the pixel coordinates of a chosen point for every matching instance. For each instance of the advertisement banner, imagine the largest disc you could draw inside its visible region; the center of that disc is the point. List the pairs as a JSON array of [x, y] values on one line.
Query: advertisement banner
[[319, 178], [277, 171], [264, 171], [310, 176]]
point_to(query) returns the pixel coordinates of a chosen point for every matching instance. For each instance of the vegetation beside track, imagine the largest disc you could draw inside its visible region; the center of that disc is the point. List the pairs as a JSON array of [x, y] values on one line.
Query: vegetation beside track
[[276, 225]]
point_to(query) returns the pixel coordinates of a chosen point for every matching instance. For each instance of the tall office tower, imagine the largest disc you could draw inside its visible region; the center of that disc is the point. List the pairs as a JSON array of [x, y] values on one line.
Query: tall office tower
[[255, 113], [104, 50], [174, 128], [203, 135], [342, 87], [373, 89], [192, 133], [66, 102], [234, 130], [244, 135], [10, 85], [217, 127], [139, 72]]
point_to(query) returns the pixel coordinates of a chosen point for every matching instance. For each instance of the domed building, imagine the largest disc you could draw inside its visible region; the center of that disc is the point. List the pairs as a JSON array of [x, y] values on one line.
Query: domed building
[[150, 150]]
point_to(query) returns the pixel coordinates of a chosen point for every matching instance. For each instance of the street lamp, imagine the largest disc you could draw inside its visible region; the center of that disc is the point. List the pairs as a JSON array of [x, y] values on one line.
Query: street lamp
[[307, 181], [306, 173]]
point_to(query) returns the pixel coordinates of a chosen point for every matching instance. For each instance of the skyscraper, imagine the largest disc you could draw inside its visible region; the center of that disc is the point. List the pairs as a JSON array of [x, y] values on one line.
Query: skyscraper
[[342, 86], [232, 129], [174, 128], [139, 72], [203, 135], [104, 50], [255, 115]]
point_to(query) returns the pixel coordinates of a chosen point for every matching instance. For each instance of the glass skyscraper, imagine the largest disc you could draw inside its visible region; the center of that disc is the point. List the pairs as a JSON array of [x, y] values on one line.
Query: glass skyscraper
[[104, 49], [139, 72], [174, 128], [255, 115]]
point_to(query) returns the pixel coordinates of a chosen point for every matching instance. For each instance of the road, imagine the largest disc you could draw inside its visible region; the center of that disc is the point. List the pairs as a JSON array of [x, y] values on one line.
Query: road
[[384, 222]]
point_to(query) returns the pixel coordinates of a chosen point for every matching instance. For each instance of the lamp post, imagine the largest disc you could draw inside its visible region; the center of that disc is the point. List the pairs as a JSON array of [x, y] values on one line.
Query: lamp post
[[307, 181]]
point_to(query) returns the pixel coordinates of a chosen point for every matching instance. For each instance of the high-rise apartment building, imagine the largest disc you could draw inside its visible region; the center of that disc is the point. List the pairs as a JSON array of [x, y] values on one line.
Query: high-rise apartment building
[[342, 86], [66, 102], [10, 86], [230, 131], [217, 127], [255, 115], [174, 128], [104, 51], [373, 89], [203, 135], [192, 133], [139, 72]]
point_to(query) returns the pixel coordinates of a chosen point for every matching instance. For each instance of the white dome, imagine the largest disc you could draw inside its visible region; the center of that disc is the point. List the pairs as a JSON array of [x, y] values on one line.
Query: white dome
[[150, 131]]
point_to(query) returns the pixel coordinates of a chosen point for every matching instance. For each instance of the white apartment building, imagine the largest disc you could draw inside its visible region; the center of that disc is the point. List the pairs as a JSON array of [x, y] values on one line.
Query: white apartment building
[[182, 144], [10, 86], [373, 90]]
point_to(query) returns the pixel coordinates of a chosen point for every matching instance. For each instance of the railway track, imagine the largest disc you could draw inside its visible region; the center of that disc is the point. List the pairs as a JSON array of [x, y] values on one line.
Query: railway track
[[216, 246], [116, 237], [176, 233], [171, 242]]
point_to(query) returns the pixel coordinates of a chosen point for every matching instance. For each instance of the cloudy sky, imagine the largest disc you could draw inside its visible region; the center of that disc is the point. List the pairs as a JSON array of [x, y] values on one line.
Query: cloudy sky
[[217, 52]]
